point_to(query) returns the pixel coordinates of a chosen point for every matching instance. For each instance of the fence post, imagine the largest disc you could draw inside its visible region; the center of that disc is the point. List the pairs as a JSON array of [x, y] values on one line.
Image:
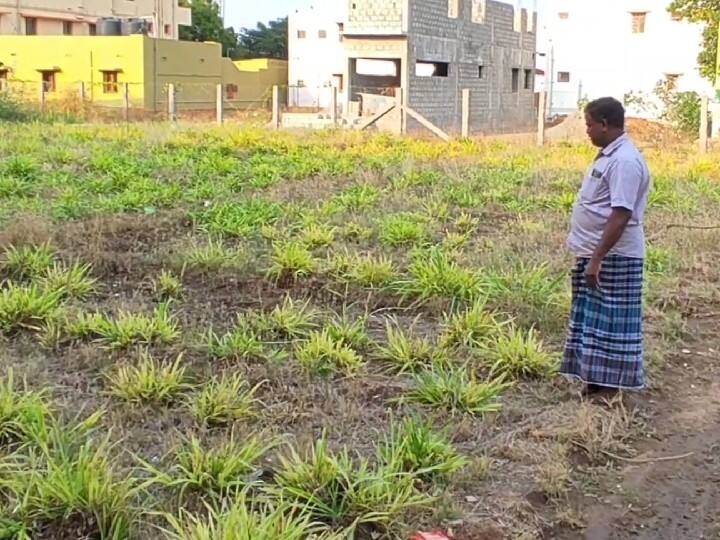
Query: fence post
[[82, 91], [219, 105], [172, 111], [704, 124], [276, 107], [334, 106], [400, 106], [466, 112], [126, 102], [42, 96], [541, 120]]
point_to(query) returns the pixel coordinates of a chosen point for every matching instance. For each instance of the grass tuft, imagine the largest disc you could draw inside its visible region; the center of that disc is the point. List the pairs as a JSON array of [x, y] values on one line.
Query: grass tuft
[[457, 391], [71, 281], [291, 259], [149, 381], [406, 352], [472, 327], [27, 307], [520, 354], [28, 261], [223, 400], [324, 355]]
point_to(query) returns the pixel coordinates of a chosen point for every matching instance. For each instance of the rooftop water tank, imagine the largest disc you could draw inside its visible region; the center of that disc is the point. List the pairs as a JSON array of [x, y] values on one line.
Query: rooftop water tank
[[109, 27]]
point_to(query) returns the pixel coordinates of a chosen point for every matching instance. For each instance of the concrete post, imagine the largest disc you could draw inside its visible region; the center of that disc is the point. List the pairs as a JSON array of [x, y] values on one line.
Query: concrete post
[[704, 124], [42, 96], [466, 113], [276, 107], [334, 106], [541, 120], [82, 91], [400, 106], [219, 105], [126, 102], [172, 110]]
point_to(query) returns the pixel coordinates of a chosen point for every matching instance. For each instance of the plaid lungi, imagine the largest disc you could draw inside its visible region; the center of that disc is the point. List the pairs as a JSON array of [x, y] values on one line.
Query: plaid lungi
[[605, 338]]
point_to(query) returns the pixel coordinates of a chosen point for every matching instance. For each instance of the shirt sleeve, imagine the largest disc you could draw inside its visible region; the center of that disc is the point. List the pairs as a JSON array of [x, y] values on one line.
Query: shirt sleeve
[[625, 180]]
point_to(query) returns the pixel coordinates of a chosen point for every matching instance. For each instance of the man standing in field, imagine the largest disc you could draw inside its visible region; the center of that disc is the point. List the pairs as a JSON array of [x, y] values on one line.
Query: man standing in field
[[604, 348]]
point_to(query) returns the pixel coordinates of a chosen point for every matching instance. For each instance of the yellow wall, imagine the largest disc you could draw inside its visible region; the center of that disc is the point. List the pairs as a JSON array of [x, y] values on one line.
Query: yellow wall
[[77, 59], [148, 65]]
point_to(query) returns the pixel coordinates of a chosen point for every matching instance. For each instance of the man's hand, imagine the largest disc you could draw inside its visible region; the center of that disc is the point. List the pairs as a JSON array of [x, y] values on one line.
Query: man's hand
[[592, 273]]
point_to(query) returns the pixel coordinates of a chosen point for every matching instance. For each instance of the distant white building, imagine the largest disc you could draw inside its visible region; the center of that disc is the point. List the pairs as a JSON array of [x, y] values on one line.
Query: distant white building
[[316, 54], [618, 48]]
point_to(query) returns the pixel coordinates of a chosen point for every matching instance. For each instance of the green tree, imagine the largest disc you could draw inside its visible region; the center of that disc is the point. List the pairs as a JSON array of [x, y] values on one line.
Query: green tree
[[207, 25], [264, 41], [705, 12]]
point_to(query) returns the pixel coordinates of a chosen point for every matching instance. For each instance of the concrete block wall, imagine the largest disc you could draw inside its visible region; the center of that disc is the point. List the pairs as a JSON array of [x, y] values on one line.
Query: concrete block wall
[[466, 45], [376, 17]]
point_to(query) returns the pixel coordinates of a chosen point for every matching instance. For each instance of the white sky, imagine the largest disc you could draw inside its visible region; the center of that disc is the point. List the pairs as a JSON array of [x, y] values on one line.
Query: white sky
[[247, 13]]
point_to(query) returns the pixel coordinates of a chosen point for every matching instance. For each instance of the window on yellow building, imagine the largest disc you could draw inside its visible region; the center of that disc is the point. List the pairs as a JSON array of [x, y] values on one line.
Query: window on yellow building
[[92, 29], [110, 82], [48, 81]]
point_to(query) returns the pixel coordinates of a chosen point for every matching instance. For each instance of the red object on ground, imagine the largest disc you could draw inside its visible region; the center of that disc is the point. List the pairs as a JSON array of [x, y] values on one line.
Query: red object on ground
[[430, 536]]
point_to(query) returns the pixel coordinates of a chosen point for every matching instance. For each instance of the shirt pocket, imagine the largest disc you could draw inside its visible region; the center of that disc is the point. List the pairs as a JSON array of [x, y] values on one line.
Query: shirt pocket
[[592, 182]]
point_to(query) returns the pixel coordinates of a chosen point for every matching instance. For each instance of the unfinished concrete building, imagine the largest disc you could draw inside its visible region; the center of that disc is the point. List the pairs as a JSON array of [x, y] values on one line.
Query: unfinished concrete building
[[439, 48], [432, 49]]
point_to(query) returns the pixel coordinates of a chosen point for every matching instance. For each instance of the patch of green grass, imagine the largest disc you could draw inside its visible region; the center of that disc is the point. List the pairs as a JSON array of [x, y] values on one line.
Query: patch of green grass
[[211, 256], [403, 230], [290, 319], [357, 197], [23, 412], [148, 381], [243, 342], [28, 261], [405, 352], [223, 400], [71, 281], [212, 471], [244, 519], [127, 328], [659, 260], [239, 218], [27, 307], [435, 274], [346, 494], [82, 486], [370, 271], [520, 354], [291, 259], [317, 235], [418, 449], [167, 285], [324, 355], [353, 332], [471, 327], [456, 390]]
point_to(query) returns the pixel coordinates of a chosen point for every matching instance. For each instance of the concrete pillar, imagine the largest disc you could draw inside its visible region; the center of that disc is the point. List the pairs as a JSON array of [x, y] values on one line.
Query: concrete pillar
[[466, 112], [172, 109], [126, 102], [81, 91], [219, 105], [704, 124], [541, 120], [334, 105], [276, 107], [399, 105], [42, 96]]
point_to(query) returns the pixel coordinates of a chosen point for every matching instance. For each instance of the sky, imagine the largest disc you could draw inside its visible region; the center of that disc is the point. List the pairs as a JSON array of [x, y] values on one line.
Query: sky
[[246, 13]]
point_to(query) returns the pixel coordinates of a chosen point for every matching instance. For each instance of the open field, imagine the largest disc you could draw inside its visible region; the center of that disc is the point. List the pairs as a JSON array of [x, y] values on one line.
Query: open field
[[236, 334]]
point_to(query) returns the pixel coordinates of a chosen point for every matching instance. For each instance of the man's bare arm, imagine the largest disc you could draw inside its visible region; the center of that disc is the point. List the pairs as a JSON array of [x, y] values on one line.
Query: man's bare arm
[[617, 222]]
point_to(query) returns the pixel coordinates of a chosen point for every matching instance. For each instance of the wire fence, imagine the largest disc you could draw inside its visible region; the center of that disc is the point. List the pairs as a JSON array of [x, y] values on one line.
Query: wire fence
[[162, 99]]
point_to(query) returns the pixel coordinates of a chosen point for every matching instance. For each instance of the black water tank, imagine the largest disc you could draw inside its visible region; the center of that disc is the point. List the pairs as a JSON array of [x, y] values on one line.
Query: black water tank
[[135, 26], [109, 27]]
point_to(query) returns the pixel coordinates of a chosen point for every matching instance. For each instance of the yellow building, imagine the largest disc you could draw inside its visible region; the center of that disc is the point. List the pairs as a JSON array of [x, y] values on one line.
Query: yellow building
[[100, 67]]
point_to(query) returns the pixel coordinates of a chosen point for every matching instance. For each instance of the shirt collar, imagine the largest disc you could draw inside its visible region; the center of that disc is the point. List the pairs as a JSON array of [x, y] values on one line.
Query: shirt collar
[[613, 146]]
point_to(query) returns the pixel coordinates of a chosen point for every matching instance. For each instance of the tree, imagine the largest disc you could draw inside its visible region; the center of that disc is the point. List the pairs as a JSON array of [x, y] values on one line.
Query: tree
[[269, 41], [704, 12], [207, 25]]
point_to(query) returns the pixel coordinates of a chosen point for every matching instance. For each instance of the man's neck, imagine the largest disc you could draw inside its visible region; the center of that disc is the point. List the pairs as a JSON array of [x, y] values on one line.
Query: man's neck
[[614, 137]]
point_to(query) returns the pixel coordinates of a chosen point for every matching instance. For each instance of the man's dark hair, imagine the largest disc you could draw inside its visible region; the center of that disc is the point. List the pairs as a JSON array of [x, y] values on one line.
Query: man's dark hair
[[608, 110]]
